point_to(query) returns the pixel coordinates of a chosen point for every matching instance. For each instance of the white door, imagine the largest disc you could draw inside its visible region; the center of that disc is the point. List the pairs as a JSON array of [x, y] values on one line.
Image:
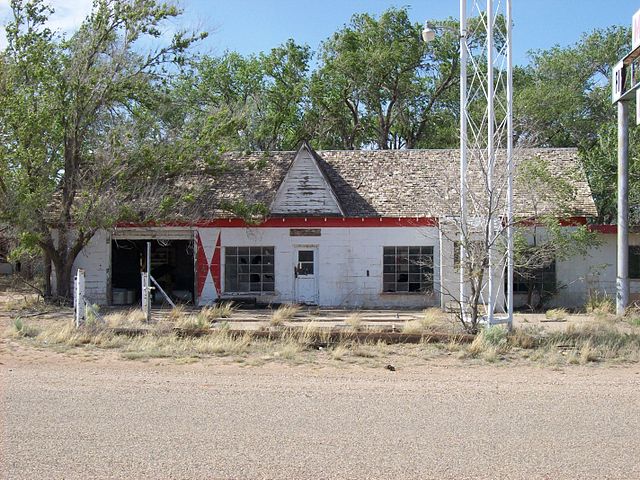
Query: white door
[[305, 271]]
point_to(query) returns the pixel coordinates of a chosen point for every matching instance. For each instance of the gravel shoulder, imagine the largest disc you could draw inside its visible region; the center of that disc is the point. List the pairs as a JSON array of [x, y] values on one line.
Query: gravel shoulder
[[75, 416]]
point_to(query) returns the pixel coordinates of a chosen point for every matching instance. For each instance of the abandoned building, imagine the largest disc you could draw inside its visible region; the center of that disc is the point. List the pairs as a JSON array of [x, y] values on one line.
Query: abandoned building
[[344, 228]]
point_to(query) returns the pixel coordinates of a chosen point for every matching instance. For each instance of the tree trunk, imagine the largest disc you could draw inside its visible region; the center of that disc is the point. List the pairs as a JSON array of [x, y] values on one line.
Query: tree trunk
[[46, 261], [63, 270]]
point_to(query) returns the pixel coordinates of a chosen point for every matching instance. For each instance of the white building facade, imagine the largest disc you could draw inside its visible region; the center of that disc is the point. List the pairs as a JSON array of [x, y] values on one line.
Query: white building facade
[[345, 229]]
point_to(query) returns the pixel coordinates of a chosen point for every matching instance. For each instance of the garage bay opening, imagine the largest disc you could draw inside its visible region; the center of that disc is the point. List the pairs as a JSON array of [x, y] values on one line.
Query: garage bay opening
[[172, 266]]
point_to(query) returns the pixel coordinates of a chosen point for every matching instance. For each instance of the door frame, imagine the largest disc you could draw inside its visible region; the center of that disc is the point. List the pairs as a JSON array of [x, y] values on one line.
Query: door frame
[[315, 248]]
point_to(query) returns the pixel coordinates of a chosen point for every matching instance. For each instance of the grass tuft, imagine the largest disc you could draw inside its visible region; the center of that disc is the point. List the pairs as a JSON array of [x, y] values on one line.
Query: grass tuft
[[193, 324], [600, 304], [218, 311], [22, 329], [556, 314], [282, 314], [354, 321]]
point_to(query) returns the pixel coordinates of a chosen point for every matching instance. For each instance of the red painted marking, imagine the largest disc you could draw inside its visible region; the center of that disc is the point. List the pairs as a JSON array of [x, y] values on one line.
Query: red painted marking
[[202, 265], [215, 266], [565, 222], [606, 229], [287, 222]]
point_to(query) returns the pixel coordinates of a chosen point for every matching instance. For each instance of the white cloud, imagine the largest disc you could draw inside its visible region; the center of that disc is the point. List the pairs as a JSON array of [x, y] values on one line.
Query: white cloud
[[67, 17]]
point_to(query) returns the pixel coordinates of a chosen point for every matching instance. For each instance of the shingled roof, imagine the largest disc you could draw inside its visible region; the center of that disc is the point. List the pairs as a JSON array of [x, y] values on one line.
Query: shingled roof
[[379, 183]]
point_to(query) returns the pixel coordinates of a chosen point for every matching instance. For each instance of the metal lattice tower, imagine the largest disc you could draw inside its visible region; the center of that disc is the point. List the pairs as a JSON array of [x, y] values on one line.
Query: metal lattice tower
[[486, 144]]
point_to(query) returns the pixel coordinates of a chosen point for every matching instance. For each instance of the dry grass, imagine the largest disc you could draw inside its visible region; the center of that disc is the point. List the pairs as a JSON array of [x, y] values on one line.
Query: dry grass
[[600, 304], [20, 328], [354, 321], [605, 340], [177, 313], [282, 314], [556, 314], [133, 318], [28, 303], [218, 311], [192, 324], [431, 320]]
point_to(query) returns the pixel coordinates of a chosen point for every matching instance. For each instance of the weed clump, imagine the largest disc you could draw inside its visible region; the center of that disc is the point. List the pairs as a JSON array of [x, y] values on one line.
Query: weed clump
[[282, 314], [556, 314], [22, 329]]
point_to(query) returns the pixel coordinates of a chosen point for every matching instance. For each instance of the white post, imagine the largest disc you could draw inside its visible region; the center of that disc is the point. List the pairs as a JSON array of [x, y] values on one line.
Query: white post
[[622, 279], [146, 296], [78, 299], [490, 155], [510, 173]]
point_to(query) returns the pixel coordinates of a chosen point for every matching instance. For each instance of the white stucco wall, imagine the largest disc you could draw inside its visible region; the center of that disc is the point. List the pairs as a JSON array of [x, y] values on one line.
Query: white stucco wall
[[345, 256]]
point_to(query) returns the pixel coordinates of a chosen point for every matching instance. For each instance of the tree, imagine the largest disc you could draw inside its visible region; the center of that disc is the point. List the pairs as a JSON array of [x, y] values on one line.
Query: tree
[[379, 84], [248, 103], [67, 108], [541, 239], [563, 99]]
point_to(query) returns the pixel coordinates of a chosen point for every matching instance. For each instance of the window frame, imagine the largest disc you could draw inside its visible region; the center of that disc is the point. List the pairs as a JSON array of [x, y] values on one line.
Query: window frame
[[421, 274], [239, 262], [541, 280]]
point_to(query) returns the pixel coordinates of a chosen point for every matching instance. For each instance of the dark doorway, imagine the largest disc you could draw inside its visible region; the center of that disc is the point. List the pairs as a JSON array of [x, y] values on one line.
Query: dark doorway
[[172, 266]]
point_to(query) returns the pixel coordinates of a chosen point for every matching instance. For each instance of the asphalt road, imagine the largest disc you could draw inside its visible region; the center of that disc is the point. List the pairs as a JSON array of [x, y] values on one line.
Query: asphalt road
[[65, 418]]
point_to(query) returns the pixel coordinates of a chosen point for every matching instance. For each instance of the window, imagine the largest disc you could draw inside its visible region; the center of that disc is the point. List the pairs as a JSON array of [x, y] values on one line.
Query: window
[[407, 269], [543, 280], [248, 269], [305, 262], [634, 262]]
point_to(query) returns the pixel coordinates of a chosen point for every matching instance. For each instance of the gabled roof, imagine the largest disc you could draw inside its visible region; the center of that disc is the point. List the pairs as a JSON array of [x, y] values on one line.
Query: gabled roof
[[305, 189], [377, 183]]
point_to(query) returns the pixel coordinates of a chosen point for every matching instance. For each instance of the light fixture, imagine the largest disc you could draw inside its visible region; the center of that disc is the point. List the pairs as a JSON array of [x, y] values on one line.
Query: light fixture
[[428, 33]]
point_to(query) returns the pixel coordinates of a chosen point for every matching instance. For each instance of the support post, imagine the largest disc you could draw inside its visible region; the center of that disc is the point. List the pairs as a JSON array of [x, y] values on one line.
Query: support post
[[491, 118], [146, 296], [463, 152], [79, 306], [622, 278], [510, 172]]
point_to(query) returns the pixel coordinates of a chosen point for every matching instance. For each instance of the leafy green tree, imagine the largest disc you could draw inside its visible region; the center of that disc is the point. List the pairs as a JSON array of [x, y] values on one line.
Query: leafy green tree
[[567, 95], [379, 84], [563, 99], [67, 112], [247, 103]]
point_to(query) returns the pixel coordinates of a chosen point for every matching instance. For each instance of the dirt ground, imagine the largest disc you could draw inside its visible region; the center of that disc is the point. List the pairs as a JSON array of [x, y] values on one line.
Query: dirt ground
[[83, 416], [90, 413]]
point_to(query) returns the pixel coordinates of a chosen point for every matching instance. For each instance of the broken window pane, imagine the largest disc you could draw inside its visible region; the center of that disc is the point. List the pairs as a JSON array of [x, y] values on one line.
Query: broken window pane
[[249, 269], [407, 269]]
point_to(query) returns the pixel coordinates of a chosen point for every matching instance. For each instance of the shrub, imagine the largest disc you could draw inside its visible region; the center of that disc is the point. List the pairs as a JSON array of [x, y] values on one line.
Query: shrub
[[21, 329]]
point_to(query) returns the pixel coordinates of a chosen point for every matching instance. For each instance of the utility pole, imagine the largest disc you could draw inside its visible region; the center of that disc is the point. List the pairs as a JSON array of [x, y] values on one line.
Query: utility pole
[[622, 276], [624, 83]]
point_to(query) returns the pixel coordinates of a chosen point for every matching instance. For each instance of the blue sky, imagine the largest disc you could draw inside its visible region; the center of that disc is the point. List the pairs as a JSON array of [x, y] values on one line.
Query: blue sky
[[251, 26]]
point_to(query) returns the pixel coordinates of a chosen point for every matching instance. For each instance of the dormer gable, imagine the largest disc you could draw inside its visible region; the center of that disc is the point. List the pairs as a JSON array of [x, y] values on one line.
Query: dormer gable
[[305, 189]]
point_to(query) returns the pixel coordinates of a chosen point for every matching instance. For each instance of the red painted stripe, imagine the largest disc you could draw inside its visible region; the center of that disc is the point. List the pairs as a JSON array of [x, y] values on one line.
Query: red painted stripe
[[287, 222], [202, 266], [564, 222], [612, 229], [215, 266]]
